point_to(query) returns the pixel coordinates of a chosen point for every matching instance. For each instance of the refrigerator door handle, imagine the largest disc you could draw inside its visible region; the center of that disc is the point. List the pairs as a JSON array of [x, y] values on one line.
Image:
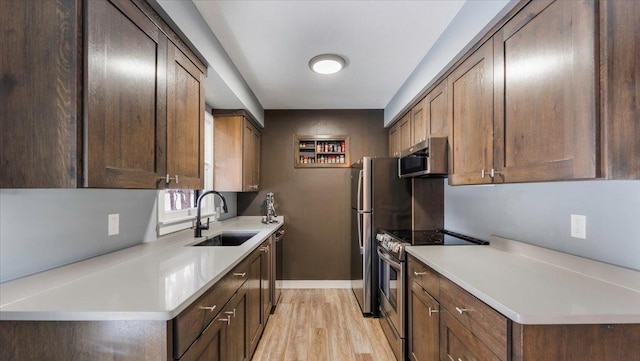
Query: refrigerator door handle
[[359, 212], [360, 177]]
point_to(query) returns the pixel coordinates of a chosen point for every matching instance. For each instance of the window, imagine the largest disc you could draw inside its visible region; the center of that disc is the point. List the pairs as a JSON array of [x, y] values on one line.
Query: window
[[177, 207]]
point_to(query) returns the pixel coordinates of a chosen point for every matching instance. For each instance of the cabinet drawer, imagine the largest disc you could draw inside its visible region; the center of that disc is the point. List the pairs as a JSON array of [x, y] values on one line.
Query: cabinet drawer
[[424, 276], [485, 323], [195, 318], [459, 343]]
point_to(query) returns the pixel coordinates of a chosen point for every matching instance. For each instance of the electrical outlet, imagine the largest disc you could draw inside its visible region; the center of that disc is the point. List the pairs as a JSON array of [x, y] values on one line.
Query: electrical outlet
[[114, 224], [578, 226]]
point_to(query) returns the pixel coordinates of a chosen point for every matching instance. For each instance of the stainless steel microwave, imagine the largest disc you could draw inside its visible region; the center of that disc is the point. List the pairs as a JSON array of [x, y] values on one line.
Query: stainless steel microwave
[[427, 158]]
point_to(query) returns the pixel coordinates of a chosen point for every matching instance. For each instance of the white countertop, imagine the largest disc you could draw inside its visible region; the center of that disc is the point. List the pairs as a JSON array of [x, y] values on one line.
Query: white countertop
[[533, 285], [151, 281]]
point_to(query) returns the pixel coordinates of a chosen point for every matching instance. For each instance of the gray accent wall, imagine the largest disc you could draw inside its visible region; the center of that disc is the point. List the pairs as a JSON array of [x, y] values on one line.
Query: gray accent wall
[[42, 229], [539, 214]]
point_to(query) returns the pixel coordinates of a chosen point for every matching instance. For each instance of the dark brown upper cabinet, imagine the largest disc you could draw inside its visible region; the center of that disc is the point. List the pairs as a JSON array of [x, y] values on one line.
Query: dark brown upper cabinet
[[620, 88], [548, 94], [470, 92], [40, 104], [185, 120], [236, 152], [119, 105], [535, 120], [394, 141], [405, 129], [435, 103], [419, 126], [545, 93]]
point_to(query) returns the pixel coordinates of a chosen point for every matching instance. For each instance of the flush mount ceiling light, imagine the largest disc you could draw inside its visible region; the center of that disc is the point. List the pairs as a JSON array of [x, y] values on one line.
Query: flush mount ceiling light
[[326, 63]]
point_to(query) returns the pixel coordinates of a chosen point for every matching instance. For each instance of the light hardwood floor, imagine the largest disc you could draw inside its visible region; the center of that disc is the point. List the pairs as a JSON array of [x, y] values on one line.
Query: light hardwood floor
[[323, 325]]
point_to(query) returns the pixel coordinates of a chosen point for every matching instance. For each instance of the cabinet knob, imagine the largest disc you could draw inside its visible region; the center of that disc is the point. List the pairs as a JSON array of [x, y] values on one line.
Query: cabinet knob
[[463, 310], [264, 249], [231, 313], [419, 273], [432, 311], [240, 274], [227, 320], [209, 308]]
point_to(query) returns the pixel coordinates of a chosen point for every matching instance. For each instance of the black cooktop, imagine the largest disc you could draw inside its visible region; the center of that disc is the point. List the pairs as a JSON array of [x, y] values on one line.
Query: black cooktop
[[434, 237]]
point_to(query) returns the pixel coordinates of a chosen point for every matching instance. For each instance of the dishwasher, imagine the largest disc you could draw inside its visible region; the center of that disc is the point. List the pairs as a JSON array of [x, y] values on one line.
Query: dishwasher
[[277, 261]]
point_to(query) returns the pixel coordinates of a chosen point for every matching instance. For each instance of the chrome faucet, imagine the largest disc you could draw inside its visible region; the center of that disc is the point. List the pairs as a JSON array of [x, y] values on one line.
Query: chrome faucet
[[199, 226]]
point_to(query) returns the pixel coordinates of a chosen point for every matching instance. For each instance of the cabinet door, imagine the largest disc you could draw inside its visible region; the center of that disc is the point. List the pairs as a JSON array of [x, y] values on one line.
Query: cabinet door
[[394, 141], [420, 127], [470, 91], [458, 343], [185, 121], [39, 94], [228, 148], [545, 93], [126, 96], [256, 157], [211, 345], [436, 111], [620, 81], [405, 132], [236, 346], [424, 325], [265, 283], [250, 157], [254, 306]]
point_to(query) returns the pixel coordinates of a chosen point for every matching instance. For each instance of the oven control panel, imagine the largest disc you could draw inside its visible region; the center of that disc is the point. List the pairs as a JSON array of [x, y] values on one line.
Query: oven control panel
[[389, 243]]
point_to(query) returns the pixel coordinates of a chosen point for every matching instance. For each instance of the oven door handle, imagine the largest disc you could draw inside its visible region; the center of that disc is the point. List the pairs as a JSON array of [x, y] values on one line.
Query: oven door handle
[[389, 260]]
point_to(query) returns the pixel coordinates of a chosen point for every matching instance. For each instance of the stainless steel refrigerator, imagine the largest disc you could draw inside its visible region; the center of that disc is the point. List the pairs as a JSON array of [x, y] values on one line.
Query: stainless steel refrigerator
[[379, 200]]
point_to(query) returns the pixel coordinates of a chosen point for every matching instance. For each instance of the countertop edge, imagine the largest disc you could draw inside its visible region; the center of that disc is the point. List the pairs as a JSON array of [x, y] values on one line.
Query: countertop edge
[[523, 317], [32, 286]]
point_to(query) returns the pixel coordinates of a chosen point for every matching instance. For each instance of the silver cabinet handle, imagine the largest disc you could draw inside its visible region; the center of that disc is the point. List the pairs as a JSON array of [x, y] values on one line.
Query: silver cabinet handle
[[264, 249], [168, 179], [432, 311], [231, 313], [463, 310], [491, 173], [209, 308], [227, 320], [419, 273], [459, 359], [450, 358], [240, 274]]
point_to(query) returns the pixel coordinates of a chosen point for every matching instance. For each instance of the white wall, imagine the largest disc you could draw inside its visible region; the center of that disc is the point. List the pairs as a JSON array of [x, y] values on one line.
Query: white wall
[[539, 214], [472, 18], [42, 229]]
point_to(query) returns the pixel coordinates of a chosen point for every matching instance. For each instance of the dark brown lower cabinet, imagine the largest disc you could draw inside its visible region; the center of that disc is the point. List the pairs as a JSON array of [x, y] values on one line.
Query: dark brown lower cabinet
[[467, 329], [424, 323], [225, 323], [254, 292], [265, 286], [459, 343], [237, 340], [210, 345]]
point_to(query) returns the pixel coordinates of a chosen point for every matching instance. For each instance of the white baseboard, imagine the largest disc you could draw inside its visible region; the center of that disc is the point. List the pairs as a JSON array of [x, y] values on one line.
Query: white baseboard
[[316, 284]]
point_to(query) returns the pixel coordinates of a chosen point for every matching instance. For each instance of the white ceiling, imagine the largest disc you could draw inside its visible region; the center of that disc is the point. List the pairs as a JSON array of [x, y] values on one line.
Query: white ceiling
[[271, 42]]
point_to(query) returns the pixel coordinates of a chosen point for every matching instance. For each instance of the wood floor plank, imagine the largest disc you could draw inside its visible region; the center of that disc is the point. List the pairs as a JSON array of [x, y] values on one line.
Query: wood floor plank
[[318, 345], [321, 324]]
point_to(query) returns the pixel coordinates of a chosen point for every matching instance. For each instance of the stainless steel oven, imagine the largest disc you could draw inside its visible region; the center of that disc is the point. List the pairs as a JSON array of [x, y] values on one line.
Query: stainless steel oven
[[392, 270], [392, 295]]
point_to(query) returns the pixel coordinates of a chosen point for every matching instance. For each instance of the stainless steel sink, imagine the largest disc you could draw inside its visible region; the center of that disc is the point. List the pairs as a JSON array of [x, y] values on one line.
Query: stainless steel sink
[[226, 239]]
